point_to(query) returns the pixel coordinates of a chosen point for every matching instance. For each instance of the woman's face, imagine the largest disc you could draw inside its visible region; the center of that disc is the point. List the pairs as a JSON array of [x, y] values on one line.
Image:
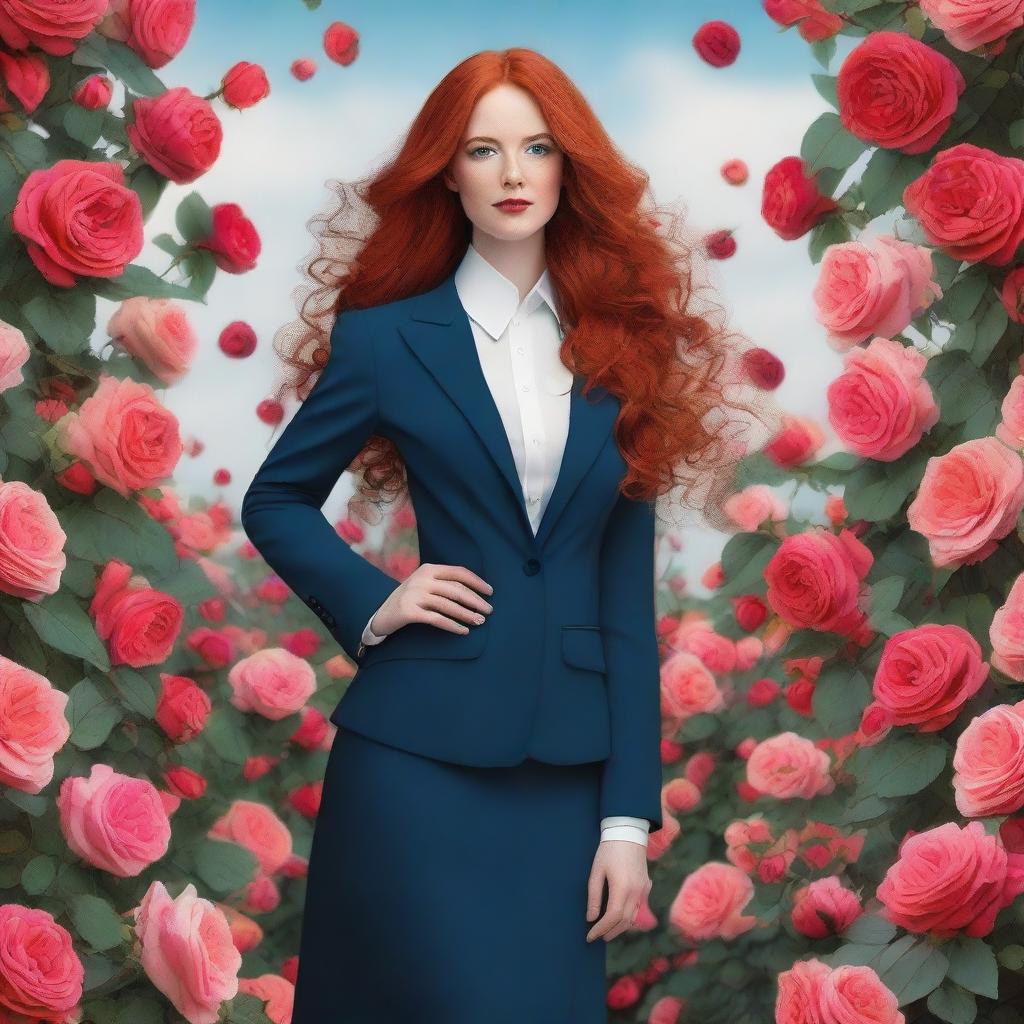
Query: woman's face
[[506, 152]]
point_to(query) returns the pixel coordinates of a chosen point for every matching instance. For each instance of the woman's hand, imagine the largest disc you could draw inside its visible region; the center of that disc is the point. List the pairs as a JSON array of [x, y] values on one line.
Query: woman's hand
[[624, 865], [438, 595]]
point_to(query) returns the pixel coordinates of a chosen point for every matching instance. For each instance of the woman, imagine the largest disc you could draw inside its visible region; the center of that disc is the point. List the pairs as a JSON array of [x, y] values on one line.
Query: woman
[[496, 770]]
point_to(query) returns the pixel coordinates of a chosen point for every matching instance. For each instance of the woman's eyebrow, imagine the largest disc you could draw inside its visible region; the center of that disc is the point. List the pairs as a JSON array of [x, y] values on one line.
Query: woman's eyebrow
[[528, 138]]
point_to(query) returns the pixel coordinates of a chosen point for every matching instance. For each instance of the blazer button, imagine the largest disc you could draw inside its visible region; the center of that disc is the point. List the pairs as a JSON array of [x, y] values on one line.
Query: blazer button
[[531, 566]]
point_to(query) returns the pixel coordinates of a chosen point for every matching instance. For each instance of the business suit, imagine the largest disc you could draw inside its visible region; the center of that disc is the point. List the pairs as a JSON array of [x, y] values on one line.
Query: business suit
[[564, 670]]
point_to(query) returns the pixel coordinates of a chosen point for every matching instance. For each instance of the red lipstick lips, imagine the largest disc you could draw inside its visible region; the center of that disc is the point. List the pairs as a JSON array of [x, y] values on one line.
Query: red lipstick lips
[[513, 205]]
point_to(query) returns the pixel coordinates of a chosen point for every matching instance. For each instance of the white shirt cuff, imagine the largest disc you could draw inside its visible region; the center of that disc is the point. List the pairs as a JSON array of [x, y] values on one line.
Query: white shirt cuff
[[369, 637], [623, 826]]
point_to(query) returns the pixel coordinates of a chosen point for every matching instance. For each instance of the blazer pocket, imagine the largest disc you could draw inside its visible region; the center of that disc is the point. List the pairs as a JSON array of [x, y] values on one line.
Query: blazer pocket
[[583, 647]]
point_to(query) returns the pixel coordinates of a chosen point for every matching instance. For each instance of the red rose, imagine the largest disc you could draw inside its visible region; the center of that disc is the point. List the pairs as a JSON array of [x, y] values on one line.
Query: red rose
[[55, 26], [244, 85], [897, 92], [234, 241], [27, 76], [156, 30], [177, 132], [78, 218], [813, 22], [341, 43], [970, 202], [764, 368], [791, 203], [93, 93], [717, 42]]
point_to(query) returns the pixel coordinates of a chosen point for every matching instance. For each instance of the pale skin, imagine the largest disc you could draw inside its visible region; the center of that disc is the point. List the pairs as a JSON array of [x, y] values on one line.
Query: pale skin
[[507, 152]]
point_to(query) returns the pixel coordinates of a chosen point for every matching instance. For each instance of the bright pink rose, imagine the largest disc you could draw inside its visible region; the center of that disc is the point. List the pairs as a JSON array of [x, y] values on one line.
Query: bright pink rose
[[797, 440], [114, 822], [764, 369], [14, 353], [1010, 429], [989, 763], [823, 907], [881, 404], [925, 674], [789, 766], [748, 652], [182, 708], [55, 26], [749, 508], [32, 727], [272, 682], [969, 499], [177, 133], [717, 43], [277, 993], [812, 21], [710, 902], [234, 241], [156, 331], [1006, 633], [27, 76], [244, 84], [688, 687], [79, 219], [716, 651], [970, 203], [949, 880], [872, 287], [303, 69], [854, 994], [187, 951], [32, 555], [139, 624], [256, 827], [815, 580], [93, 93], [799, 991], [127, 436], [897, 92], [791, 202], [156, 30], [40, 974], [968, 24]]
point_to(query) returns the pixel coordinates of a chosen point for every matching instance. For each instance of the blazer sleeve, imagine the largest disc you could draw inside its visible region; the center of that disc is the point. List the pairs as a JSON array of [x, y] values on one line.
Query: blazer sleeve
[[281, 509], [631, 780]]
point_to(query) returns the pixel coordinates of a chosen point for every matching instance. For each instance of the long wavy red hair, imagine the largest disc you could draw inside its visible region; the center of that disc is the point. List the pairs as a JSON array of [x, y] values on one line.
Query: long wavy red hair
[[623, 268]]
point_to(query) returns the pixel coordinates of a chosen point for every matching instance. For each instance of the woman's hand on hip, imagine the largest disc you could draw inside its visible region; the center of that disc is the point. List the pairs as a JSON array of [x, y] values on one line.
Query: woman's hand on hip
[[623, 864], [438, 595]]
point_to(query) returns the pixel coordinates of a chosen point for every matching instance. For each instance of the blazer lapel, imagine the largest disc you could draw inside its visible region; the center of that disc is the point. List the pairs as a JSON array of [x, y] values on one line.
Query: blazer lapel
[[440, 335]]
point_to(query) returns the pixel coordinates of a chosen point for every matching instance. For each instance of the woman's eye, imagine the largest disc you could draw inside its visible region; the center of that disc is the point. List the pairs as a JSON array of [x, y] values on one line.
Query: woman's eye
[[473, 152], [546, 148]]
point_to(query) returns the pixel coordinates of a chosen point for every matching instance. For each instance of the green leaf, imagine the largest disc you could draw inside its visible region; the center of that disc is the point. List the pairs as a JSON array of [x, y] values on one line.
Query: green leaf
[[833, 230], [96, 921], [870, 929], [38, 874], [972, 965], [826, 86], [139, 1009], [886, 593], [223, 865], [840, 695], [886, 177], [194, 218], [64, 318], [828, 144], [960, 300], [97, 51], [138, 280], [92, 715], [903, 765], [743, 560], [1017, 134], [60, 622], [990, 329], [953, 1004], [916, 971], [958, 385], [137, 693]]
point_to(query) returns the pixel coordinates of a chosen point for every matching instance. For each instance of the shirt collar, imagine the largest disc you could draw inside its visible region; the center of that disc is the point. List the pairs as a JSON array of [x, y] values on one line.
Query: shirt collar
[[491, 299]]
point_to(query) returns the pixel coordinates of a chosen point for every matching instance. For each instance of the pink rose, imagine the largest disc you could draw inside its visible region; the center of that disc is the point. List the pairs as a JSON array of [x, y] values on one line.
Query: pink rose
[[949, 880], [187, 951], [969, 499], [799, 991], [791, 201], [55, 26], [688, 687], [970, 203], [156, 331], [94, 93], [789, 766], [1006, 633], [716, 651], [881, 404], [138, 624], [277, 993], [989, 763], [234, 241], [14, 353], [79, 219], [40, 974], [897, 92], [272, 682], [244, 85], [823, 907], [256, 827], [182, 708], [32, 555], [815, 580], [969, 24], [156, 30], [854, 994], [710, 902], [114, 822], [127, 436], [27, 76], [872, 287], [32, 727], [797, 440], [177, 133], [749, 508], [1010, 430]]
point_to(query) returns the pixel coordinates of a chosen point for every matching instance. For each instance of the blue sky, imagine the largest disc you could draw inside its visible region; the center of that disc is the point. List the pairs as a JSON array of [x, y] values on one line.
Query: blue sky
[[677, 117]]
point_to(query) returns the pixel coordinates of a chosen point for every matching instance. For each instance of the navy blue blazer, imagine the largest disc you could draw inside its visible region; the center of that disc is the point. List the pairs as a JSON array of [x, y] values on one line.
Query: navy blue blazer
[[565, 669]]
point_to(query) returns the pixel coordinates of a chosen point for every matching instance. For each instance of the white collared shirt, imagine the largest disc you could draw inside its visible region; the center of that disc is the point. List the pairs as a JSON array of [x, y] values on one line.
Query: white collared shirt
[[517, 343]]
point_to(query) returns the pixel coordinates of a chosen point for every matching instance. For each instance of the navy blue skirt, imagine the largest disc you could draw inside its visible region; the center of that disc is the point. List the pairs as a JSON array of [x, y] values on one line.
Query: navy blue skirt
[[440, 893]]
